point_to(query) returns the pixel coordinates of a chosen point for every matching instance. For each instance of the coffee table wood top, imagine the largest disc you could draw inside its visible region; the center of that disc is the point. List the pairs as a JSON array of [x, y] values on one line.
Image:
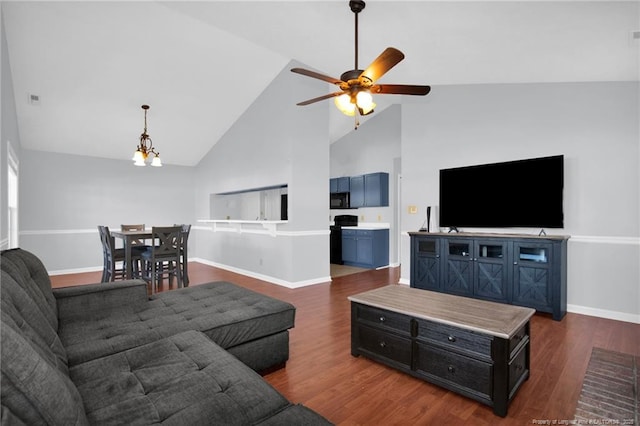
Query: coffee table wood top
[[495, 319]]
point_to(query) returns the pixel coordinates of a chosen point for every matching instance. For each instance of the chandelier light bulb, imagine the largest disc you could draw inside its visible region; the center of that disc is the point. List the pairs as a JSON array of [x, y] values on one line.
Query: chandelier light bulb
[[138, 156], [156, 162]]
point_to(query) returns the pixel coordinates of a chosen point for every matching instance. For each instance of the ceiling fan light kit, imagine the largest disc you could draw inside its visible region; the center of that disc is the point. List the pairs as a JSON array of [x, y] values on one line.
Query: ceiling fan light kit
[[146, 147], [356, 85]]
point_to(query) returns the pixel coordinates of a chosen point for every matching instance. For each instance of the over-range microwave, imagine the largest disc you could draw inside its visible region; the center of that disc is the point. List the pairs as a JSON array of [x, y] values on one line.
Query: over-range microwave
[[339, 200]]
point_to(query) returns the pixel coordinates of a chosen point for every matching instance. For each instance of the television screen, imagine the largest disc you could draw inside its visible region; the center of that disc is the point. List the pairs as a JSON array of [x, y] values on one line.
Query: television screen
[[524, 193]]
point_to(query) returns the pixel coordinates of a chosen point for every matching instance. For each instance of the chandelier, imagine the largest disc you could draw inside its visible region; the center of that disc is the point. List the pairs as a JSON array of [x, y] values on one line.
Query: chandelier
[[145, 148]]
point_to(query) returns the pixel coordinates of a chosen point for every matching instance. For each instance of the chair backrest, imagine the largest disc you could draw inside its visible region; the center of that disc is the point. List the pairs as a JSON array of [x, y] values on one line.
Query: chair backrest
[[108, 242], [170, 240], [138, 227], [186, 229]]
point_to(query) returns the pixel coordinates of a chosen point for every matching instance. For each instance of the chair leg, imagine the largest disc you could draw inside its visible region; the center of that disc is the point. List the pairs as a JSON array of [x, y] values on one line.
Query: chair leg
[[185, 273]]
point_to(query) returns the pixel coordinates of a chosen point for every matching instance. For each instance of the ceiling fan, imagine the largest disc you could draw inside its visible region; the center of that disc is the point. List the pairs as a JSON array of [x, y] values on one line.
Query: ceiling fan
[[356, 85]]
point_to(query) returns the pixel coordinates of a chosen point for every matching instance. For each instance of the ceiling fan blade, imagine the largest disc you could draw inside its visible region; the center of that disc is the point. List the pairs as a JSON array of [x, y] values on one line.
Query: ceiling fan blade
[[319, 98], [383, 63], [317, 75], [400, 89]]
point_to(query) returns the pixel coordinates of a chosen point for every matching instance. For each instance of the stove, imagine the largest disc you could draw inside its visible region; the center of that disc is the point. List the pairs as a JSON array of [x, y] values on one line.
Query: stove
[[335, 241]]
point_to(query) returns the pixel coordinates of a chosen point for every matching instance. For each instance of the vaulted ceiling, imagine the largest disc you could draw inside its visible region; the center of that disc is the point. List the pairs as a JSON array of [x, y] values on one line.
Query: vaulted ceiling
[[200, 64]]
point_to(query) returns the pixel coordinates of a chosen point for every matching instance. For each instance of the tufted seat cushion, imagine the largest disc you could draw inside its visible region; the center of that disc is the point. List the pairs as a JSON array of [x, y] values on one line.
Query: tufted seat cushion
[[183, 379], [228, 314]]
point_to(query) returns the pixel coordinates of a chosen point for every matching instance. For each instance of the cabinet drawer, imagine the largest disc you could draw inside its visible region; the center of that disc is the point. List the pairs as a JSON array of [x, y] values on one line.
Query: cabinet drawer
[[459, 370], [455, 338], [516, 339], [517, 368], [386, 345], [381, 318]]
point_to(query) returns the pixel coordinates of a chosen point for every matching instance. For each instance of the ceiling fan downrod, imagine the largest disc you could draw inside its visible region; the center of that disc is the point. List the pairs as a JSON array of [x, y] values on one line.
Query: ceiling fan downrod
[[356, 7]]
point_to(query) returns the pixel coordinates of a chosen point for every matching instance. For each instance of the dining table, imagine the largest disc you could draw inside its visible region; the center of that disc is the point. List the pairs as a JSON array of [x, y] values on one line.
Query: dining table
[[127, 238]]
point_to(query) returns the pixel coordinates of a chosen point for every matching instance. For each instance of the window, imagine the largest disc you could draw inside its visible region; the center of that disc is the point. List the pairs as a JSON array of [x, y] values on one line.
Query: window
[[12, 195]]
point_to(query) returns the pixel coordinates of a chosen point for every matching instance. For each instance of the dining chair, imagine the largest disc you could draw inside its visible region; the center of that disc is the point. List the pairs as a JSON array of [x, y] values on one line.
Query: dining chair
[[163, 259], [186, 229], [113, 258], [137, 247]]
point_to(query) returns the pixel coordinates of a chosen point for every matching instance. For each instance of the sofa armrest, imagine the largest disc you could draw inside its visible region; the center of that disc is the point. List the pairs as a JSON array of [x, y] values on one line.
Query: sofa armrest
[[88, 301]]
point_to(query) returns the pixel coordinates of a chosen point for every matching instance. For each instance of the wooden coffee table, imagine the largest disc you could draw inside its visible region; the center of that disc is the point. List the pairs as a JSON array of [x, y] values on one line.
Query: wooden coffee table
[[475, 348]]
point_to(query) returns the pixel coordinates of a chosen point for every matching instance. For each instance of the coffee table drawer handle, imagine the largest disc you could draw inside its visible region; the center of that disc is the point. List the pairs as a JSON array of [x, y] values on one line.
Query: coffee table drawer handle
[[382, 319], [451, 369], [451, 338], [383, 344]]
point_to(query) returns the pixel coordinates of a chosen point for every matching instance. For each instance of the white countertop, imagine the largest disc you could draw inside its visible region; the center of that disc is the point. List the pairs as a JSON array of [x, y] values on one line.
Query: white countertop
[[367, 226]]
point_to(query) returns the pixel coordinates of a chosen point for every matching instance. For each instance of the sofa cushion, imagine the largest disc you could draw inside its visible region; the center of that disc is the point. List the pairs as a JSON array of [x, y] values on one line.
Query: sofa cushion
[[228, 314], [29, 272], [20, 309], [34, 389], [183, 379]]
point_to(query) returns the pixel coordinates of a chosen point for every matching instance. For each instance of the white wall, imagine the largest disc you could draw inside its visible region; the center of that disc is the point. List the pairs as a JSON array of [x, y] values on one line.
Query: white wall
[[274, 142], [595, 126]]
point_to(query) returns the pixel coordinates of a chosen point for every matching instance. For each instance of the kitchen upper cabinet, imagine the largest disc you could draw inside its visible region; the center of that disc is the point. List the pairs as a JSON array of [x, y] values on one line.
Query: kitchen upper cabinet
[[341, 184], [370, 190]]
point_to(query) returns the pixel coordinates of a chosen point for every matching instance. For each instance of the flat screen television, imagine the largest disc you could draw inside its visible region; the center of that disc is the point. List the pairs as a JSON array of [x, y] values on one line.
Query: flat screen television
[[524, 193]]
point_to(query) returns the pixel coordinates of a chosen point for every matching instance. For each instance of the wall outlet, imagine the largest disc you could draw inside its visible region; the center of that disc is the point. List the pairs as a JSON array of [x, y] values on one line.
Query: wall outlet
[[379, 217], [413, 209], [361, 218]]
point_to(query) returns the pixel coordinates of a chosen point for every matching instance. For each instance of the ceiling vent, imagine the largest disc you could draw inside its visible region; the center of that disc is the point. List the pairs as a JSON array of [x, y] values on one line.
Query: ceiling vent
[[34, 99]]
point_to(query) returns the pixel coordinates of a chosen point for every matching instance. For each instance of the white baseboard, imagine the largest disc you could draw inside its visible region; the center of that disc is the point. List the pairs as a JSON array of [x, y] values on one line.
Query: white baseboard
[[75, 271], [603, 313], [273, 280]]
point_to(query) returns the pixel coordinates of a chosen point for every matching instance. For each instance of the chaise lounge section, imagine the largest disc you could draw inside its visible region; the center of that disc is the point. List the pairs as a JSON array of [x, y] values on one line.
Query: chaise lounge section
[[110, 354]]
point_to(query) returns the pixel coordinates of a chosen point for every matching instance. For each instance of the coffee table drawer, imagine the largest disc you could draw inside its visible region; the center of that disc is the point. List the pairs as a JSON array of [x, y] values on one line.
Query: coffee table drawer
[[381, 318], [461, 372], [517, 368], [386, 345], [519, 336], [455, 338]]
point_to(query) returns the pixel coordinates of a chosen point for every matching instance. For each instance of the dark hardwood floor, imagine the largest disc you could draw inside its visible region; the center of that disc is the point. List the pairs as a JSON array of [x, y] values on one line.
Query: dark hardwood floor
[[322, 374]]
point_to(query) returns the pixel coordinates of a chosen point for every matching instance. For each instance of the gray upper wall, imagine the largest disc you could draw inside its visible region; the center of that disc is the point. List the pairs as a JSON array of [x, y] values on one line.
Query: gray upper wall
[[275, 142]]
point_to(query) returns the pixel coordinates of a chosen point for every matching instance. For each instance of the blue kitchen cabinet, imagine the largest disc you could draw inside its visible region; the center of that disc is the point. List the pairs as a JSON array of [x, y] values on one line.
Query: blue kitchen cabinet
[[370, 190], [340, 184], [366, 248]]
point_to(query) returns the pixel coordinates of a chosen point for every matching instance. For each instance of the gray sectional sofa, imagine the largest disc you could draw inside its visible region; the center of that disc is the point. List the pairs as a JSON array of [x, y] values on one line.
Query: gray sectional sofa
[[110, 354]]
